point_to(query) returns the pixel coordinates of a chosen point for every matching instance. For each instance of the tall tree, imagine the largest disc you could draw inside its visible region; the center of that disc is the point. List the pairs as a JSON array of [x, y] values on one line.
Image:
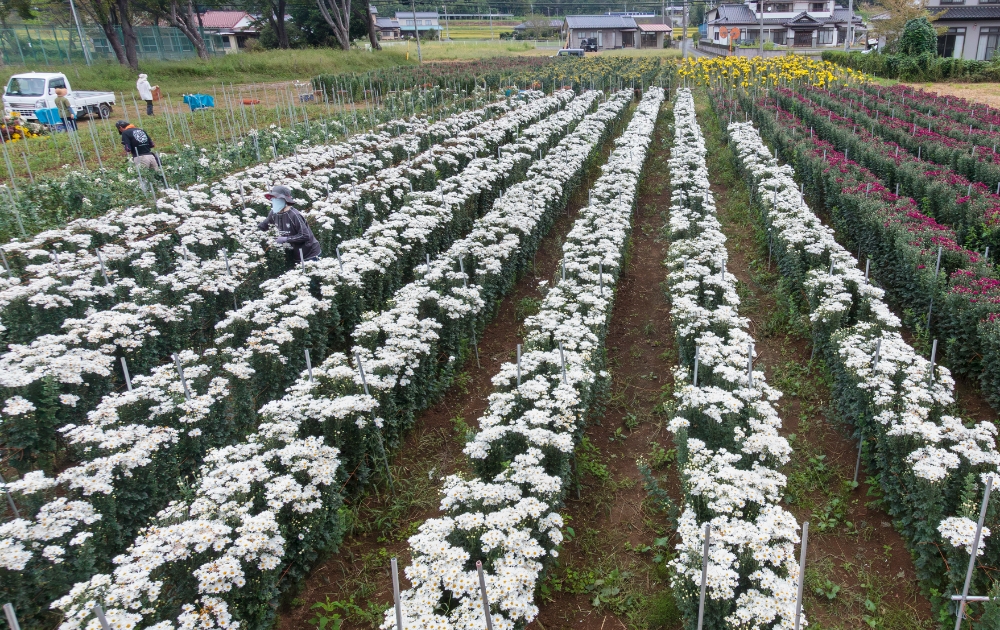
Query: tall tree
[[893, 18], [186, 21], [103, 12], [123, 9], [365, 11], [273, 13], [337, 14]]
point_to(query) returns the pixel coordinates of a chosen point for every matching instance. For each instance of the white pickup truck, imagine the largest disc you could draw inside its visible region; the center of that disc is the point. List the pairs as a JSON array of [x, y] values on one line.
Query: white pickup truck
[[25, 93]]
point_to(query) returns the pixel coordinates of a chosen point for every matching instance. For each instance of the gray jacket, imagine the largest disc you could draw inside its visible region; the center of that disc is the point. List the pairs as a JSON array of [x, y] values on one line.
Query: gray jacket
[[292, 224]]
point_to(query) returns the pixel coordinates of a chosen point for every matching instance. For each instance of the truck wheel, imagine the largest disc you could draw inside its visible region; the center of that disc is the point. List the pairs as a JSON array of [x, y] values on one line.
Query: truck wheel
[[104, 110]]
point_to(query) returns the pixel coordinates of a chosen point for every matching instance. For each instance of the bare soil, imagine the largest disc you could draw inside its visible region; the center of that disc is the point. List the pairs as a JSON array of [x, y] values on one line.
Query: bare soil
[[858, 569], [988, 93], [359, 573]]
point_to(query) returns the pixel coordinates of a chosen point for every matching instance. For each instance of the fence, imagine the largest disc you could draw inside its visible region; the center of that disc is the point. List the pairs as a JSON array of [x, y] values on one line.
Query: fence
[[50, 45]]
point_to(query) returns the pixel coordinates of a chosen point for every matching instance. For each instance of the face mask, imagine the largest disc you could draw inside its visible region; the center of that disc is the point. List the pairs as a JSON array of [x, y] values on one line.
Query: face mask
[[277, 204]]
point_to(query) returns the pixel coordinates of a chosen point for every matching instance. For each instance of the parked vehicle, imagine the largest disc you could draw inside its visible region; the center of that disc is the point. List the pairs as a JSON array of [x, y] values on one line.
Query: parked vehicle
[[589, 44], [570, 52], [27, 92]]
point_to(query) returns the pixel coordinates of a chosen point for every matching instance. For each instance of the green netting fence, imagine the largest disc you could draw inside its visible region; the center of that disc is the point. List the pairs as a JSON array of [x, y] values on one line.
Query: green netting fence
[[54, 45]]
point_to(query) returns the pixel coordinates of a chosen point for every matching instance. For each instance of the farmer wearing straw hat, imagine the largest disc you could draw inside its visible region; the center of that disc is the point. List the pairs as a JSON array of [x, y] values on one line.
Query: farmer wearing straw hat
[[65, 109], [293, 231]]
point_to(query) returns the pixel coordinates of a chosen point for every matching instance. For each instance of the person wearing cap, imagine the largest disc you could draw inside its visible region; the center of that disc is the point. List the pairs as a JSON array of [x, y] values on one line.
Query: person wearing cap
[[138, 145], [291, 225], [145, 92], [65, 109]]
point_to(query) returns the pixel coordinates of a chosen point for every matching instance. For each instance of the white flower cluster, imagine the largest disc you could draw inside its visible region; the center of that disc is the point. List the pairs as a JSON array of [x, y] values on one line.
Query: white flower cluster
[[86, 349], [184, 231], [726, 422], [900, 390], [506, 516], [218, 537], [320, 399], [164, 411]]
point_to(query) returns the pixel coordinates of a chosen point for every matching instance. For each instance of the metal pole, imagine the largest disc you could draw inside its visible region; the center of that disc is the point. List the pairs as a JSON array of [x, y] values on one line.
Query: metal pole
[[309, 366], [760, 7], [972, 557], [684, 35], [99, 612], [8, 610], [395, 595], [933, 356], [416, 32], [802, 574], [518, 365], [10, 501], [486, 599], [180, 373], [128, 377], [704, 575], [696, 366]]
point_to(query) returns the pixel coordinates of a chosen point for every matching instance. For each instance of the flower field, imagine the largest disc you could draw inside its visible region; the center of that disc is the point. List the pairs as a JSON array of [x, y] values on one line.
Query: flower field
[[542, 341]]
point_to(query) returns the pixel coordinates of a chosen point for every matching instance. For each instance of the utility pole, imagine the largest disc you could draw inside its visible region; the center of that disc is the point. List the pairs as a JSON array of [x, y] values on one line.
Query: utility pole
[[760, 7], [79, 31], [416, 32], [491, 23], [446, 29], [684, 32], [850, 25]]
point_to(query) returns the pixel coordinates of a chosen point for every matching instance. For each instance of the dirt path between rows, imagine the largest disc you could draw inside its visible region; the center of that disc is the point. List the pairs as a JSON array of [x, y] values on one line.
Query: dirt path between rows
[[858, 572], [356, 579]]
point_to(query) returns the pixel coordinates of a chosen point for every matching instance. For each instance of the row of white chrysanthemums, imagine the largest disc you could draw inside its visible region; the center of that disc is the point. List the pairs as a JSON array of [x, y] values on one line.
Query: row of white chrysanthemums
[[900, 389], [174, 251], [507, 518], [83, 356], [132, 431], [247, 512], [733, 483]]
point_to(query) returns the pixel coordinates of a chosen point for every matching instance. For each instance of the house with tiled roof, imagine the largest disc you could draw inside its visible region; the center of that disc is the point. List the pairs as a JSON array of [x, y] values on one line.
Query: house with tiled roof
[[798, 23], [609, 31], [233, 27], [971, 28]]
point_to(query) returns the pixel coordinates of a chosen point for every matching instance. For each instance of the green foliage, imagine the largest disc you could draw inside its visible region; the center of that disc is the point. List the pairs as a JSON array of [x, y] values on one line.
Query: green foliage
[[526, 307], [926, 67], [918, 38]]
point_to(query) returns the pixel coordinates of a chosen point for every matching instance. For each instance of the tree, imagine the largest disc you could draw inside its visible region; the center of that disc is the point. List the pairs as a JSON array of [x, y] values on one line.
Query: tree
[[893, 18], [129, 38], [104, 13], [918, 38], [369, 19], [337, 14], [272, 14], [21, 7], [184, 18]]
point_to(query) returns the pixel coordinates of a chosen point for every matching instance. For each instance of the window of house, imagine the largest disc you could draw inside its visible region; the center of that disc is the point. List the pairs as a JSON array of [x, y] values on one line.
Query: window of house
[[779, 38], [989, 1], [826, 37], [778, 7], [989, 41], [951, 43], [952, 1], [818, 6], [716, 37]]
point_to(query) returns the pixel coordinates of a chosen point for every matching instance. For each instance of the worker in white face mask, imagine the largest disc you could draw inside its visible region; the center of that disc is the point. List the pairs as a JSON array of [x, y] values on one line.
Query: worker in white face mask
[[293, 231]]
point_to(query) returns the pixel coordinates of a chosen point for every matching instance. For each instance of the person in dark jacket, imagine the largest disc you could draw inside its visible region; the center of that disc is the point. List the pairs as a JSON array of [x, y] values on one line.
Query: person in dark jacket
[[291, 225], [137, 144]]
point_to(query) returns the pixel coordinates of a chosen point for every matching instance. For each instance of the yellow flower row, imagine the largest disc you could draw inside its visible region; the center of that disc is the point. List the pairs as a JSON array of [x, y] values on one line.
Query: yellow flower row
[[749, 71]]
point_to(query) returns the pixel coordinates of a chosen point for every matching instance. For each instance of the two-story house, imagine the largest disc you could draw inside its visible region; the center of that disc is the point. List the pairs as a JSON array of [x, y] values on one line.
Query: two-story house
[[973, 28], [804, 23], [426, 23]]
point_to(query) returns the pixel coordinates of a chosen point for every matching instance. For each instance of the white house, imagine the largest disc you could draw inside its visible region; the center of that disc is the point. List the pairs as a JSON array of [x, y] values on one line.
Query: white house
[[804, 23], [427, 23], [973, 28]]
